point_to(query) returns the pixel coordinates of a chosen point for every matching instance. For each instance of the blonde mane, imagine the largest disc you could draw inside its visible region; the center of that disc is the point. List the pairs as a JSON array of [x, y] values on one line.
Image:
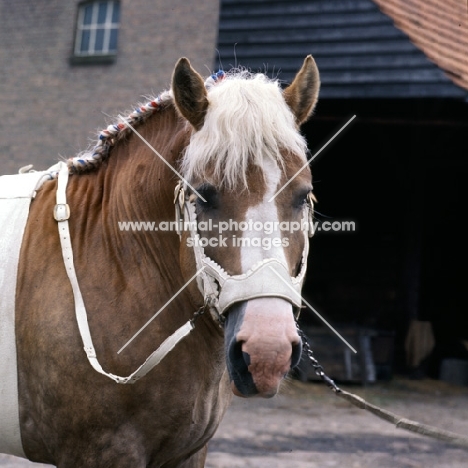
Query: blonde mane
[[247, 120]]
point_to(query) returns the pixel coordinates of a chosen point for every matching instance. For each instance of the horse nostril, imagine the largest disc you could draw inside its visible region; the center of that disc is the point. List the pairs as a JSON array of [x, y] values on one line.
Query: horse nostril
[[246, 357], [238, 357], [243, 358]]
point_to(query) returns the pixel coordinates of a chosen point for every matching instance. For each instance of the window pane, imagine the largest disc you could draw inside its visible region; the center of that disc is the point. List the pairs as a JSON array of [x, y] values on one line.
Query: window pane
[[102, 12], [113, 40], [98, 27], [116, 12], [99, 44], [84, 46], [88, 14]]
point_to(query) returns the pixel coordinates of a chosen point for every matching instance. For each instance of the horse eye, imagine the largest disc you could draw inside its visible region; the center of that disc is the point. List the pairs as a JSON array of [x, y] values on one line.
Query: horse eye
[[301, 199], [210, 194]]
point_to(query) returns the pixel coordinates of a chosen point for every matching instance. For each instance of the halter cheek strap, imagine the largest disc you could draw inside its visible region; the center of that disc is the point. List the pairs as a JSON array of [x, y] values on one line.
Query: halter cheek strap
[[61, 215]]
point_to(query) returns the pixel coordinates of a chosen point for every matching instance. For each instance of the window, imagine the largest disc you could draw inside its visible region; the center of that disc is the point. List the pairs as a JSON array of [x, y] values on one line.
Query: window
[[97, 29]]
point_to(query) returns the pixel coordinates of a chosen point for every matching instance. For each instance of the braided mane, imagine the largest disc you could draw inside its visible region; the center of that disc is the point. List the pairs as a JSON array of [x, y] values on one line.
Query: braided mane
[[93, 156]]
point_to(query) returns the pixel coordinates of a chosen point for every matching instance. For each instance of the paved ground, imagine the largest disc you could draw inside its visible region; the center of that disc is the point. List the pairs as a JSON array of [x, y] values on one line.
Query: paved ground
[[310, 427], [307, 426]]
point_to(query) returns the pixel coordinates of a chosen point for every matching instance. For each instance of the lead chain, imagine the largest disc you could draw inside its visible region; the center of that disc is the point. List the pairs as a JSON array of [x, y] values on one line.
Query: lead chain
[[315, 364]]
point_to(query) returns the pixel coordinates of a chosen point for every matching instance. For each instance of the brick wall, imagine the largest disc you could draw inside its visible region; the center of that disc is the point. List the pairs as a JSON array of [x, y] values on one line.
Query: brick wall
[[50, 108]]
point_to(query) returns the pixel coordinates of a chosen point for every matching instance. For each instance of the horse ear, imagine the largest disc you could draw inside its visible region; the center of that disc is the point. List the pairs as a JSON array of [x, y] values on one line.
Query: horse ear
[[189, 93], [301, 96]]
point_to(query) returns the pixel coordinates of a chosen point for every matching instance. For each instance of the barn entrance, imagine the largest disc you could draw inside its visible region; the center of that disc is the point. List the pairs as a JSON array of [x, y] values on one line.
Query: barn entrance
[[399, 173]]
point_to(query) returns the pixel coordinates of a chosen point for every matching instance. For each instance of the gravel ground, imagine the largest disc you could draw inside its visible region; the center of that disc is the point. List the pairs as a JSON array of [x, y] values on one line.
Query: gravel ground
[[307, 426]]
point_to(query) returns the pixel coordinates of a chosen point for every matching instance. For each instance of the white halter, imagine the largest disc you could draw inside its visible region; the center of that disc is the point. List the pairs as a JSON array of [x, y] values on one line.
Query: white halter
[[267, 278]]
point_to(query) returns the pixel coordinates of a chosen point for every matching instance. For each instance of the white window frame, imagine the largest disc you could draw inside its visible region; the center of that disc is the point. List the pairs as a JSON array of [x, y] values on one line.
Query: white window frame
[[108, 26]]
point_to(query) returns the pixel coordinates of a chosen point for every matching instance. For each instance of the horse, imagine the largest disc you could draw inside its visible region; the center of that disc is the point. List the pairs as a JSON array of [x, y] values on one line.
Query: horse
[[160, 237]]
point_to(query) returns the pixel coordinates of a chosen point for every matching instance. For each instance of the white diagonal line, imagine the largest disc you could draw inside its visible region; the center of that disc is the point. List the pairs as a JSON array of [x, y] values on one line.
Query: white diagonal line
[[160, 310], [316, 313], [160, 157], [313, 157]]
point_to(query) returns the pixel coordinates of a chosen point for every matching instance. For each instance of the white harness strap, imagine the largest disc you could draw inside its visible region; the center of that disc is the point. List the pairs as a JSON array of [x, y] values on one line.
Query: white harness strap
[[61, 215]]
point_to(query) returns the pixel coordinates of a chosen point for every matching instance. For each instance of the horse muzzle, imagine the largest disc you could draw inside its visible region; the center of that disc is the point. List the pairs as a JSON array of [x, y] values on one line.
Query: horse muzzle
[[262, 345]]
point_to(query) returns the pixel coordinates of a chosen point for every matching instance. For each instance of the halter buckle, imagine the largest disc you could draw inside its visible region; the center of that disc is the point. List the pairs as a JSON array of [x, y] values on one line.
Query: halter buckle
[[61, 212], [179, 202]]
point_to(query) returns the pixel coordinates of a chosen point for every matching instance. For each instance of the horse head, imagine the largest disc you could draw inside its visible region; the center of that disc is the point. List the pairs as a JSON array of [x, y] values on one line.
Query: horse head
[[246, 203]]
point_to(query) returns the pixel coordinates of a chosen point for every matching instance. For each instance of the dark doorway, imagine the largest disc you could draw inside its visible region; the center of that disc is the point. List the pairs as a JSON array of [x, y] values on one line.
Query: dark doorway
[[398, 171]]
